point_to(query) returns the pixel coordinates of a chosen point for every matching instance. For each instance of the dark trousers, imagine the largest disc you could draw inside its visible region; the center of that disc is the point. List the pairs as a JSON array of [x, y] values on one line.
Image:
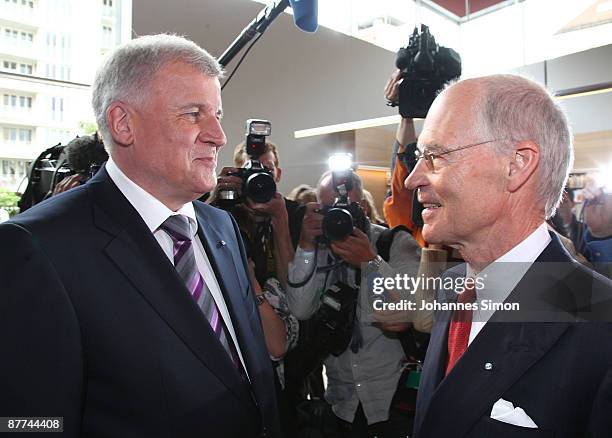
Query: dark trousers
[[397, 426]]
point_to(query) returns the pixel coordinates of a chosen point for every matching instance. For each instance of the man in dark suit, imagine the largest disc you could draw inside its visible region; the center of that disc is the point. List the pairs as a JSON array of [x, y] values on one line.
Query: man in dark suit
[[539, 363], [126, 308]]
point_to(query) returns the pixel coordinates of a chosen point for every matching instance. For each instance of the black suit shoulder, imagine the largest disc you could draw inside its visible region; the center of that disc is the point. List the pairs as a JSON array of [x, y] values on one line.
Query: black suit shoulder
[[58, 212]]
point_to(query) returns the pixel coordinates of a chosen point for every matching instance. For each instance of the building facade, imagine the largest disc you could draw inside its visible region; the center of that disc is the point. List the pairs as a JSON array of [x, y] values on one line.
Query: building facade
[[49, 52]]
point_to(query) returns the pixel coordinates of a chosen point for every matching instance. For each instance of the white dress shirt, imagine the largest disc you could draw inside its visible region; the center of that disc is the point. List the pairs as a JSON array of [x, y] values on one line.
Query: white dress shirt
[[154, 213], [501, 277]]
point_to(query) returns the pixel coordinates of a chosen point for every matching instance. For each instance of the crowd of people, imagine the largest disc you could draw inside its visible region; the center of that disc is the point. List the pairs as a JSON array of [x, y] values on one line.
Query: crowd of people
[[144, 304]]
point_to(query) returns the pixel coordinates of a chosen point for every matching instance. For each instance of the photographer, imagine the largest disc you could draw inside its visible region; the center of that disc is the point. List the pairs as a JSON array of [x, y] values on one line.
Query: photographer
[[397, 208], [362, 380], [266, 231], [266, 225]]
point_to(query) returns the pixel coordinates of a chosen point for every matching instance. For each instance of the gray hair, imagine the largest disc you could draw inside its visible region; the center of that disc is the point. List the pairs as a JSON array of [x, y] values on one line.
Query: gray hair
[[357, 184], [129, 69], [517, 108]]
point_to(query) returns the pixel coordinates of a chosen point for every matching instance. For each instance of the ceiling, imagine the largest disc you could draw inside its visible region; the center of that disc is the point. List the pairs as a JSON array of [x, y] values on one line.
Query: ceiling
[[458, 7]]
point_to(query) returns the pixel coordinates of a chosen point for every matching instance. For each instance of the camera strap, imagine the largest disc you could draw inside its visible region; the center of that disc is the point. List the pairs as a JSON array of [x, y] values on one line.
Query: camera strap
[[321, 269]]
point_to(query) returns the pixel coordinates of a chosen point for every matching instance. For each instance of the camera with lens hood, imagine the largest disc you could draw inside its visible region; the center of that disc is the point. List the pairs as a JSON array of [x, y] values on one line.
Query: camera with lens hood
[[340, 218], [258, 183]]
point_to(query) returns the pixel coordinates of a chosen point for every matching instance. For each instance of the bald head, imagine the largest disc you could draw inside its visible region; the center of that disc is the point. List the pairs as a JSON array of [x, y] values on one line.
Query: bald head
[[516, 108], [497, 153]]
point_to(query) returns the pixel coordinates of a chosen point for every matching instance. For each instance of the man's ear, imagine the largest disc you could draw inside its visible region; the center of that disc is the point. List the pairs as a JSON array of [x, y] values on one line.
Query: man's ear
[[120, 123], [523, 163], [279, 172]]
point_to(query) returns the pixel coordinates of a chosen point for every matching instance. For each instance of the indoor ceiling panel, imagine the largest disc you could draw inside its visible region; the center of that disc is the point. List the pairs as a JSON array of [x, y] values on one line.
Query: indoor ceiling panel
[[458, 7]]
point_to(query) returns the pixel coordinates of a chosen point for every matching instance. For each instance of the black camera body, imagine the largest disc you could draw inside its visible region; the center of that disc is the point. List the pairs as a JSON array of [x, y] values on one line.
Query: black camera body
[[340, 218], [332, 325], [257, 180], [83, 155], [425, 67], [343, 215]]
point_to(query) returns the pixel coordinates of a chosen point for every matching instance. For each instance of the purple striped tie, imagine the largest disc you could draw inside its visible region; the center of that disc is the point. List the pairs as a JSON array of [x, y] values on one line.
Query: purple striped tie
[[177, 227]]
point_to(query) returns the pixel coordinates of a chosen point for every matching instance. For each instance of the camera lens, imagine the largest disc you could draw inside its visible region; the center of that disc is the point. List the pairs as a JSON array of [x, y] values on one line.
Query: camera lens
[[337, 224], [260, 187]]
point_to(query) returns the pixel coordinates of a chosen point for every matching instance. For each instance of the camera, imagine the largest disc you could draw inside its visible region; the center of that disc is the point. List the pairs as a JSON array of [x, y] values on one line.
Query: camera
[[83, 155], [343, 215], [339, 220], [257, 180], [331, 327], [425, 67]]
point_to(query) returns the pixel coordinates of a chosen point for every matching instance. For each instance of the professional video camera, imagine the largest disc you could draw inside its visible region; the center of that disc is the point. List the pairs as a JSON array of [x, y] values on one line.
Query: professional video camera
[[425, 67], [83, 155], [257, 180], [340, 218]]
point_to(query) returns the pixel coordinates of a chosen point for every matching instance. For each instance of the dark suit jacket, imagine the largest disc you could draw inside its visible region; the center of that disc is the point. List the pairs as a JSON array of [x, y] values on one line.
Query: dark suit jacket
[[97, 327], [557, 371]]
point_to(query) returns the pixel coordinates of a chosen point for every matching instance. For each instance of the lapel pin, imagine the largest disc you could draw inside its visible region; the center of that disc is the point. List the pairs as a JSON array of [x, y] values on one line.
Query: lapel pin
[[488, 366], [221, 243]]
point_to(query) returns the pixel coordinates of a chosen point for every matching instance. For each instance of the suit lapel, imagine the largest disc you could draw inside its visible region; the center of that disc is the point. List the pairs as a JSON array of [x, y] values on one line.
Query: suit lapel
[[224, 261], [510, 347], [437, 352], [137, 255]]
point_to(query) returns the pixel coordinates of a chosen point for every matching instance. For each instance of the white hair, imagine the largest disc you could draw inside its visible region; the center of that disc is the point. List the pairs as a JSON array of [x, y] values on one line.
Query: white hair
[[517, 108], [128, 70], [357, 184]]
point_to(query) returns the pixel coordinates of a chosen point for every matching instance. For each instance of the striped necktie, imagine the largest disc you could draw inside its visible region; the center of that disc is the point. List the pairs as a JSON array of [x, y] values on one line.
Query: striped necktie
[[177, 227]]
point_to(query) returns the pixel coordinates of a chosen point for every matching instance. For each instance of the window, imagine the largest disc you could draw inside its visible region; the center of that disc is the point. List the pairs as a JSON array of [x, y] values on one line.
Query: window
[[9, 65], [107, 36], [10, 134], [21, 135], [25, 135], [26, 69], [17, 102], [18, 37], [6, 164]]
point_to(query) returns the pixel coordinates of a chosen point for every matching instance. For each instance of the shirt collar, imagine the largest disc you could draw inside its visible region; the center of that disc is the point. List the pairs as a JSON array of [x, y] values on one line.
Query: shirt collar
[[525, 252], [151, 209]]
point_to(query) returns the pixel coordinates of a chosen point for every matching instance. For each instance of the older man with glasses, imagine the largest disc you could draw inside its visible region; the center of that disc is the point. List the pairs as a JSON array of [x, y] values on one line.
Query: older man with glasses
[[493, 158]]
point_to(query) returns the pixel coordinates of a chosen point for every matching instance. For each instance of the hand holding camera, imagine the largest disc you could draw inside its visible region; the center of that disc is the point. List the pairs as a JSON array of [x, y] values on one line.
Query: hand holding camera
[[355, 249], [311, 227], [275, 208], [226, 181]]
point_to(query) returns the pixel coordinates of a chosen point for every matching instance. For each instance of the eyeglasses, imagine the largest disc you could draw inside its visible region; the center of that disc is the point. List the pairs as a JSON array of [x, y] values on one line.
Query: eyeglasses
[[430, 157]]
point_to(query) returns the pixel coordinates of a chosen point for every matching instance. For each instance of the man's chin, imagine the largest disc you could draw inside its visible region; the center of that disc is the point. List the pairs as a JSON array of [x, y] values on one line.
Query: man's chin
[[432, 236]]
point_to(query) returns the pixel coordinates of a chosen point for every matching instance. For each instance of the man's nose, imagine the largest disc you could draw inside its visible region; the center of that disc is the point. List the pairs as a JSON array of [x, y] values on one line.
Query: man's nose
[[213, 132], [417, 177]]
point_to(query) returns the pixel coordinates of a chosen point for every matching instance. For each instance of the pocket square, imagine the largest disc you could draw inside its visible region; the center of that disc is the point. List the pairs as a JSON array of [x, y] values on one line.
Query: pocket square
[[505, 412]]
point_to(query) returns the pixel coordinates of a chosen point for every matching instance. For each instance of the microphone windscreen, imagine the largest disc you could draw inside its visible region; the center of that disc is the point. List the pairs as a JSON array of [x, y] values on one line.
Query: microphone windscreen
[[305, 14], [84, 151]]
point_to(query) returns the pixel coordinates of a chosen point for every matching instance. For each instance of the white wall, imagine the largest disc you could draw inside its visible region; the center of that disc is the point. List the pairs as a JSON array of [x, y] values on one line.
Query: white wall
[[294, 79], [299, 80]]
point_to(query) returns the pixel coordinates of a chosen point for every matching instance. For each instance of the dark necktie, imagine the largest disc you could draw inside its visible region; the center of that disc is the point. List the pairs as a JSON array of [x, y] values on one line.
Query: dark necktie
[[459, 330], [177, 227]]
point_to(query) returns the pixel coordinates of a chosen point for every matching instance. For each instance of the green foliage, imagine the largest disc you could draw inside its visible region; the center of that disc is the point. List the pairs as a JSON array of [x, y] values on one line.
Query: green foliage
[[88, 128], [8, 201]]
